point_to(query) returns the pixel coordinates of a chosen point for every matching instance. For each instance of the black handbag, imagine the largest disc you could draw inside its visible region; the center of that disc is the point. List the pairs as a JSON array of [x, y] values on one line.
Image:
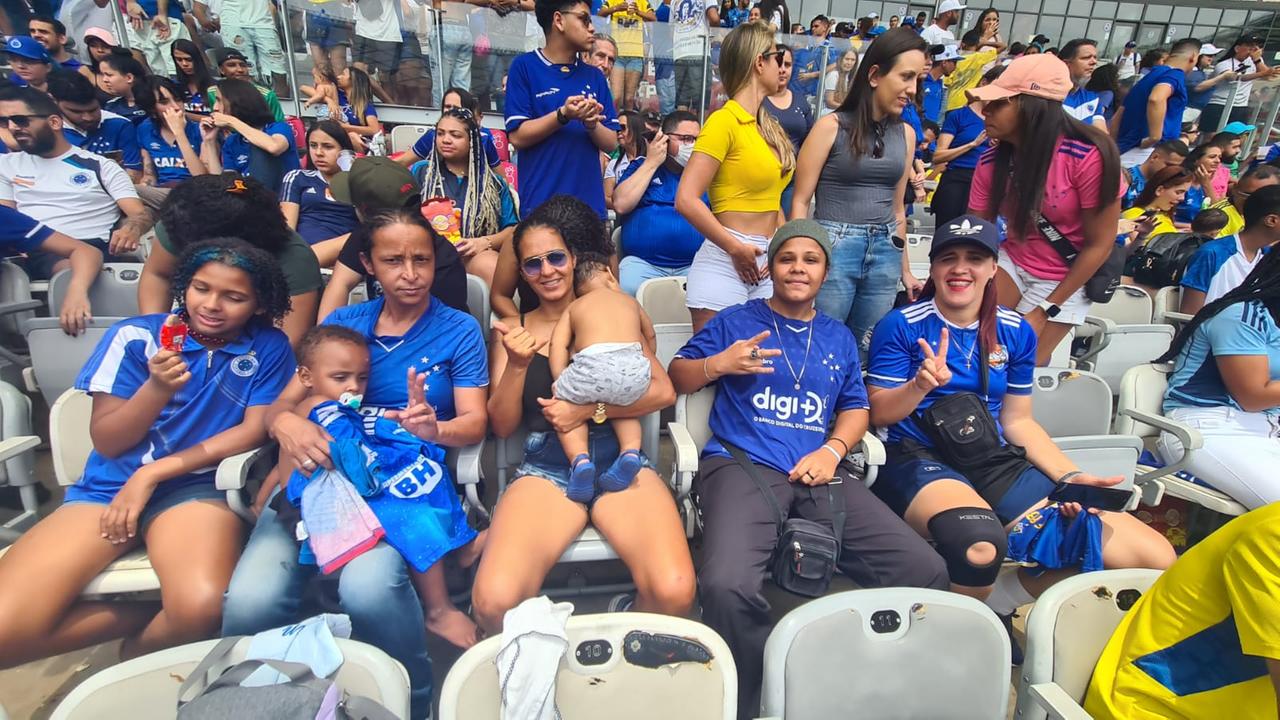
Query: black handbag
[[964, 433], [1164, 258], [807, 552], [1104, 282]]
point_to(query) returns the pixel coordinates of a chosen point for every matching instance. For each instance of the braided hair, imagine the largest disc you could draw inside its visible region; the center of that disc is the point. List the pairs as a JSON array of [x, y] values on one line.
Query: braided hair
[[1262, 285], [271, 292], [482, 205]]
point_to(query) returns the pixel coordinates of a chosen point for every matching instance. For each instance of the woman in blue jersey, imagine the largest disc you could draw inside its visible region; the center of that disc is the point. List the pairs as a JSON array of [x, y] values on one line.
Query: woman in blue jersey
[[1226, 385], [962, 142], [242, 135], [789, 406], [407, 331], [193, 77], [125, 79], [306, 201], [955, 341], [535, 521], [162, 420], [170, 143]]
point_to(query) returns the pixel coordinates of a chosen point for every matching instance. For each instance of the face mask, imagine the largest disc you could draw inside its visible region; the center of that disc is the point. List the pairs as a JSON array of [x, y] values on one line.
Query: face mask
[[351, 400], [684, 153]]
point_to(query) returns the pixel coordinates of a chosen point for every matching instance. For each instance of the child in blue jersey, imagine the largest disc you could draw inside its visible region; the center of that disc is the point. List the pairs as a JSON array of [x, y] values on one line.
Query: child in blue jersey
[[931, 352], [161, 422], [170, 143], [21, 233]]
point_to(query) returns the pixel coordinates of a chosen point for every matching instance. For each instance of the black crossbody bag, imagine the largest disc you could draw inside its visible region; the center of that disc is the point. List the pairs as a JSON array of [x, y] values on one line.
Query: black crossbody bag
[[807, 552], [1104, 282], [964, 434]]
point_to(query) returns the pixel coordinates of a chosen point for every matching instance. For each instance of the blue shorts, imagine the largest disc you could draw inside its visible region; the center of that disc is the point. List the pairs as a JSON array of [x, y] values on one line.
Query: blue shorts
[[200, 491], [631, 64], [899, 482], [544, 458]]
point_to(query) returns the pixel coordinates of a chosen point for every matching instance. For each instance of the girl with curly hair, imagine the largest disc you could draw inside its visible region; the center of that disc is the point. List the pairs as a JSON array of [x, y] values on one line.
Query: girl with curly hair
[[211, 206], [162, 420], [535, 520]]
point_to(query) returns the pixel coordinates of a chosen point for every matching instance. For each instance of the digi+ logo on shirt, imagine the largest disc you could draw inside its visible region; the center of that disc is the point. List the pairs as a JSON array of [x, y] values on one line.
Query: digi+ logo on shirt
[[784, 407]]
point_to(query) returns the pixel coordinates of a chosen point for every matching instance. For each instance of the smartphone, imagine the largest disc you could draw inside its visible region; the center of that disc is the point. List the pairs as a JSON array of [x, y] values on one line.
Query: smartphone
[[1101, 498]]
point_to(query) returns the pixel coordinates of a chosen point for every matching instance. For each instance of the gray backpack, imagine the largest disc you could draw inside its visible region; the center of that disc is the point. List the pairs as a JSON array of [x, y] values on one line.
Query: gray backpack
[[303, 697]]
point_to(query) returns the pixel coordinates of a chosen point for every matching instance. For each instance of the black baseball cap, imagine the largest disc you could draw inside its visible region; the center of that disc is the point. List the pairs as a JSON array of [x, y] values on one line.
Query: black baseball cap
[[966, 230], [222, 55]]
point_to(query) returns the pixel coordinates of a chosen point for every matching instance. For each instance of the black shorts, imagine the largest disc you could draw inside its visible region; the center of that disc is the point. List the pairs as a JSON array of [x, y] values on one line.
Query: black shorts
[[379, 56]]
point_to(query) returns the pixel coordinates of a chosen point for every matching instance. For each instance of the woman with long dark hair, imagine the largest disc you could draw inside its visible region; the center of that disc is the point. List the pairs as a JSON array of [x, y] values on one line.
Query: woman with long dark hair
[[1203, 164], [836, 84], [193, 77], [1105, 81], [126, 80], [1163, 193], [857, 162], [775, 14], [1226, 361], [1047, 169], [308, 206], [169, 141], [957, 346], [988, 27], [242, 135], [631, 145]]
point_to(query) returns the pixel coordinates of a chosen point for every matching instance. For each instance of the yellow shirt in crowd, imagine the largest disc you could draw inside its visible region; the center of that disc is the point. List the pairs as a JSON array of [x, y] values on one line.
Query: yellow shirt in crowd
[[628, 27], [1196, 644], [969, 70], [750, 178], [1163, 223], [1235, 221]]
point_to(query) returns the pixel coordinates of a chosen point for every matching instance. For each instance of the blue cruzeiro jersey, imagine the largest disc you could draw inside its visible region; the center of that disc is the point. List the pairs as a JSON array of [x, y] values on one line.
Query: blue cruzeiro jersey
[[895, 356], [20, 233], [252, 370], [767, 416], [167, 158], [445, 345], [1245, 328]]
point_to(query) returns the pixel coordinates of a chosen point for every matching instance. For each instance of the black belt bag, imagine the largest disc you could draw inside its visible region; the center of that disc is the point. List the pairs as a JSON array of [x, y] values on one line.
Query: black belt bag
[[1104, 282], [807, 552], [963, 432]]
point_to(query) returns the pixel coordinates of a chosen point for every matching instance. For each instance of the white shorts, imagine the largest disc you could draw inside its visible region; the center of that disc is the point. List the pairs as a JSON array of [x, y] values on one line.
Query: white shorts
[[1239, 455], [713, 284], [1136, 156], [1036, 290]]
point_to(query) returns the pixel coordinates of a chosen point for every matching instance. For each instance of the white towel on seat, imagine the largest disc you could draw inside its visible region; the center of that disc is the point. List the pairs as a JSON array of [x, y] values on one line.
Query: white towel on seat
[[310, 641], [533, 644]]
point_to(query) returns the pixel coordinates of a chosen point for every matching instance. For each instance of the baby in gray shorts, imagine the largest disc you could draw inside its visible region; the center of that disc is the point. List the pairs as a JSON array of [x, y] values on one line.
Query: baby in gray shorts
[[607, 334]]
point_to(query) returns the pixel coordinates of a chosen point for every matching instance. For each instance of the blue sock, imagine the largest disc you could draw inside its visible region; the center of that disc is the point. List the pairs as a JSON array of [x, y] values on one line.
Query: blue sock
[[582, 480], [623, 470]]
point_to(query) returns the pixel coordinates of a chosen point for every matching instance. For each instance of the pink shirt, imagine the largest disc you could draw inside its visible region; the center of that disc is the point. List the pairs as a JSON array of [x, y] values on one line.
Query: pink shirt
[[1221, 179], [1075, 176]]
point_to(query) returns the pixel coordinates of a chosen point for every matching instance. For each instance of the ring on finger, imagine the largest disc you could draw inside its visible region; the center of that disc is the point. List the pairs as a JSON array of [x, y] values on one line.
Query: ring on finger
[[755, 353]]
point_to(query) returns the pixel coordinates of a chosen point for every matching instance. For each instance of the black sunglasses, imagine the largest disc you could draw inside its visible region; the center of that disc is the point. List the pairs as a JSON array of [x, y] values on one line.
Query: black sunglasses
[[532, 266], [20, 121], [877, 147], [774, 53]]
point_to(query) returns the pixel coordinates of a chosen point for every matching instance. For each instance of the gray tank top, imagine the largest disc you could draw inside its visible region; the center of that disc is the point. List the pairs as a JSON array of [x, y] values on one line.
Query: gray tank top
[[861, 190]]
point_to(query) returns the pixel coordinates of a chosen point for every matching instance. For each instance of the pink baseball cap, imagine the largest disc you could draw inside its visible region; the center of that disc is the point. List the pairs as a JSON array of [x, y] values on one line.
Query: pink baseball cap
[[1042, 75], [101, 34]]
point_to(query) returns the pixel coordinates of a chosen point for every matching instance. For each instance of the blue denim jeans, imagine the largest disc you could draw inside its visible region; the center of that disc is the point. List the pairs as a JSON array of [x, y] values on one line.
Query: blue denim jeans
[[633, 271], [863, 280], [375, 589]]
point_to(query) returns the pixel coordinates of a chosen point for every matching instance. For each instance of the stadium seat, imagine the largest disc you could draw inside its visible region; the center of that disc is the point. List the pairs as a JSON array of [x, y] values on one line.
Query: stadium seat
[[1117, 348], [1067, 630], [891, 653], [70, 444], [56, 357], [478, 303], [17, 467], [1141, 407], [1167, 302], [663, 299], [16, 308], [113, 294], [146, 688], [618, 665], [918, 246], [404, 136]]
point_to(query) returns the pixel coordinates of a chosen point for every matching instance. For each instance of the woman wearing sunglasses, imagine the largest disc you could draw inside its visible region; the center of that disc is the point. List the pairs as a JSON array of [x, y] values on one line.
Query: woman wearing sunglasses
[[535, 521], [858, 161], [742, 160]]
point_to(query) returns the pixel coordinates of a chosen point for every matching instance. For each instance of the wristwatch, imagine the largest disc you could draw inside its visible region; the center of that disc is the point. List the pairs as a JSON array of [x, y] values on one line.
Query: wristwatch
[[599, 416], [1050, 310], [560, 117]]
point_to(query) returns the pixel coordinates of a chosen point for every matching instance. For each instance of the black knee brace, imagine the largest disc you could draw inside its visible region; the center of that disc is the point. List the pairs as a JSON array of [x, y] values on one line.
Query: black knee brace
[[954, 531]]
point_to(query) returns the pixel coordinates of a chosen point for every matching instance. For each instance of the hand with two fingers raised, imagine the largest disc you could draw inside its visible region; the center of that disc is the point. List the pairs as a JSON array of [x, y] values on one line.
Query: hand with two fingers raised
[[933, 373], [744, 357]]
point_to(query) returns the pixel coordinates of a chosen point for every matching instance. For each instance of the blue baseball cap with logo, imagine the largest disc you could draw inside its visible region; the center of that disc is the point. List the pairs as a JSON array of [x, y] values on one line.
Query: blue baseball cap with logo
[[967, 230], [27, 47]]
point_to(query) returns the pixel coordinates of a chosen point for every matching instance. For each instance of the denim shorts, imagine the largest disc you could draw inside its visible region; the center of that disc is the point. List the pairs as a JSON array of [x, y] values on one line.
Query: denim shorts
[[631, 64], [203, 491], [544, 458], [899, 482]]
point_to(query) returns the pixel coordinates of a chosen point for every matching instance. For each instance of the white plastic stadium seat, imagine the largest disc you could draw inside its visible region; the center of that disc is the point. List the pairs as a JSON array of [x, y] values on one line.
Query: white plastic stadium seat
[[113, 294], [16, 308], [146, 688], [56, 357], [1141, 406], [17, 468], [892, 653], [1121, 335], [918, 246], [613, 669], [1067, 630], [1167, 302], [70, 444], [663, 299], [404, 136]]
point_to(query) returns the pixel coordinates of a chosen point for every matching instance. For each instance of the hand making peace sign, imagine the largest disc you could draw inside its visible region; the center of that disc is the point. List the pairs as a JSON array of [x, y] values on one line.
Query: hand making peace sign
[[933, 372], [418, 417]]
